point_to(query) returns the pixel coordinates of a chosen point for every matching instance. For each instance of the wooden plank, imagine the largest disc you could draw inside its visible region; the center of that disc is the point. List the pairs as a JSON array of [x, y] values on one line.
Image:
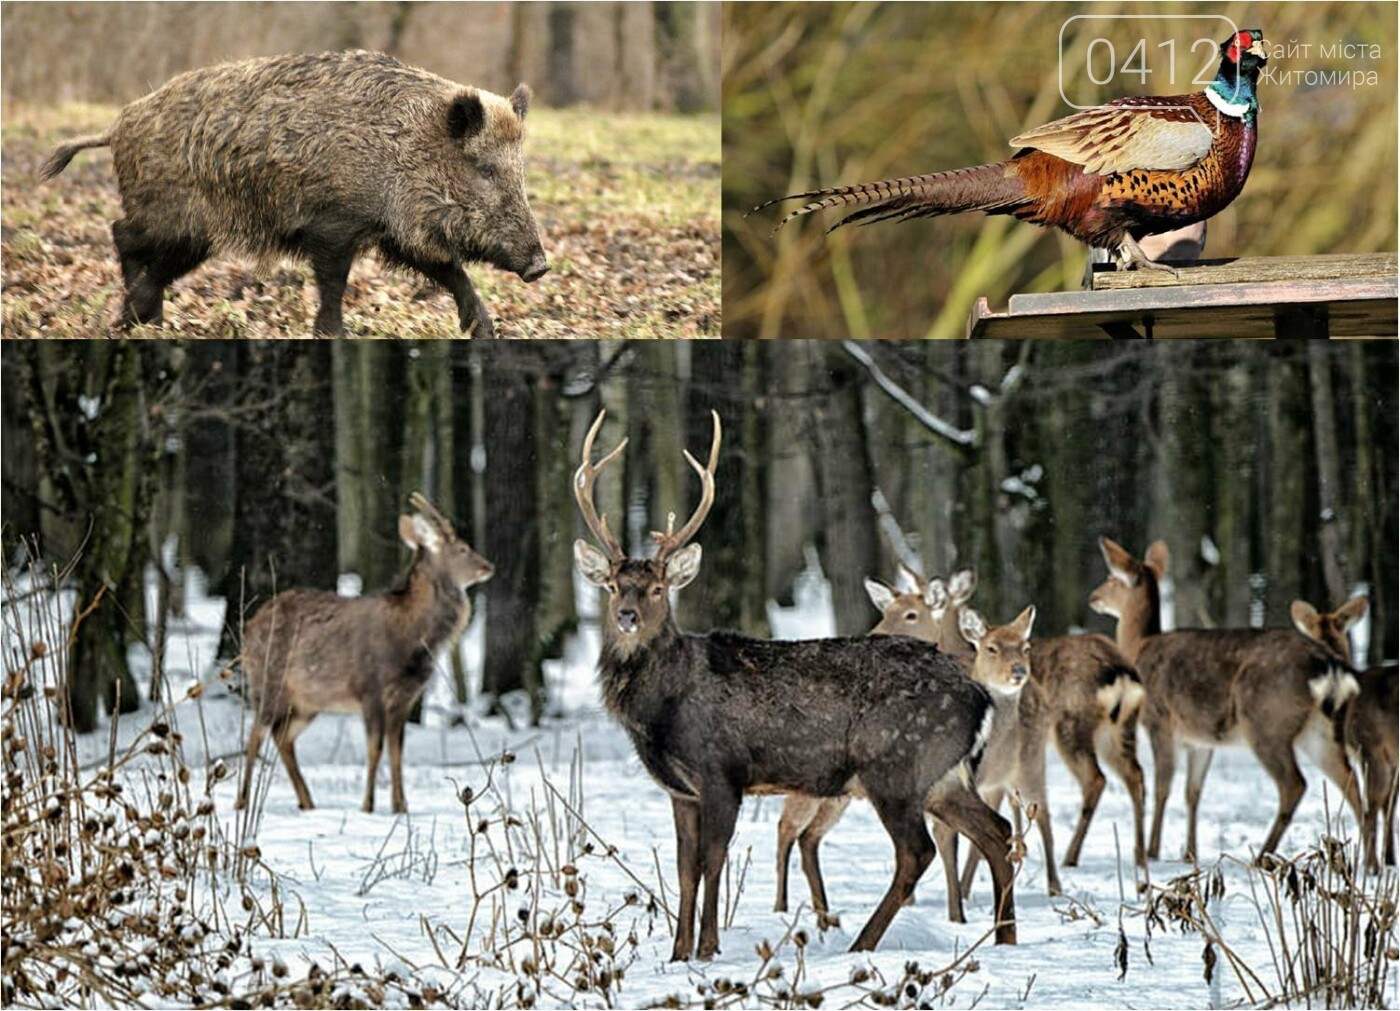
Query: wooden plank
[[1226, 311], [1252, 270], [1150, 299]]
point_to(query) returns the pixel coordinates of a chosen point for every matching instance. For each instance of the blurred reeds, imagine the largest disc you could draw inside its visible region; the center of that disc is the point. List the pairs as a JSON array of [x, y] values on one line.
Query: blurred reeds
[[821, 94]]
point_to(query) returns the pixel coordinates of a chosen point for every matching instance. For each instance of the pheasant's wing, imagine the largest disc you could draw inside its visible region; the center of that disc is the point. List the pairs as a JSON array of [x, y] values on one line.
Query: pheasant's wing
[[1126, 134]]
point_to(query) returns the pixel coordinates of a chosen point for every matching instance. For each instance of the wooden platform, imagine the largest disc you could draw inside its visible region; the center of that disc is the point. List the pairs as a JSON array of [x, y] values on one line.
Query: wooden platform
[[1278, 296]]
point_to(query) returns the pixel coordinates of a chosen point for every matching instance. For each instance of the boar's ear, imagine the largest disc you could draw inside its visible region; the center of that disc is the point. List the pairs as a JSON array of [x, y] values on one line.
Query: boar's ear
[[520, 99], [465, 115]]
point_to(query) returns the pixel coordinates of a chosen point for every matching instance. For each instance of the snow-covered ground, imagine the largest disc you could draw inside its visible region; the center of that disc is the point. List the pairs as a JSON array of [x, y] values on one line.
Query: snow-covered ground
[[589, 826]]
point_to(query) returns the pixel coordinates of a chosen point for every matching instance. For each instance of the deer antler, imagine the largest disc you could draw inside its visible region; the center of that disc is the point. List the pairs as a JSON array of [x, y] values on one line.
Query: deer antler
[[584, 477], [673, 540]]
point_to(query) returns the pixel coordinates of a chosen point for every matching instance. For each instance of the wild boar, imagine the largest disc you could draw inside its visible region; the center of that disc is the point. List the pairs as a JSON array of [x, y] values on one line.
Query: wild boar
[[322, 156]]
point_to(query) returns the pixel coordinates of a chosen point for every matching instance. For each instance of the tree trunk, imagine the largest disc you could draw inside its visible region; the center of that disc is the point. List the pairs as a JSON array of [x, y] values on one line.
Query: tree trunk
[[1331, 530], [512, 535], [285, 525], [845, 480]]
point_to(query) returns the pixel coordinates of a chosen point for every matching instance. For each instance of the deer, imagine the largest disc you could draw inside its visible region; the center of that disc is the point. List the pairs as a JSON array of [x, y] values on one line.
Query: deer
[[713, 717], [1369, 724], [1267, 689], [1014, 756], [1081, 690], [1091, 691], [307, 652]]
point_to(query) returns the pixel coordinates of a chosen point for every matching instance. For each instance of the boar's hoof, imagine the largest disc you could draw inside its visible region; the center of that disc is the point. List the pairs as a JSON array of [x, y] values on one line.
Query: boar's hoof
[[479, 325]]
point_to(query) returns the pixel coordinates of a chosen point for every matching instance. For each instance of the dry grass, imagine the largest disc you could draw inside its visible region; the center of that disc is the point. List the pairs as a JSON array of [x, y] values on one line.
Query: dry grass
[[125, 885]]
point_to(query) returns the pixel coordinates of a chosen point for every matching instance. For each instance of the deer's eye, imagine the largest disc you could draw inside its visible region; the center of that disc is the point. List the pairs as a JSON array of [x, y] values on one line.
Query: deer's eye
[[657, 591], [911, 616], [611, 588], [993, 650]]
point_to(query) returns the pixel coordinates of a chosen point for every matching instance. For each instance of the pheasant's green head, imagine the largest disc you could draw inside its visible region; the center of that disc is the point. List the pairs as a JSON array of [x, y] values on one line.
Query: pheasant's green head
[[1232, 91]]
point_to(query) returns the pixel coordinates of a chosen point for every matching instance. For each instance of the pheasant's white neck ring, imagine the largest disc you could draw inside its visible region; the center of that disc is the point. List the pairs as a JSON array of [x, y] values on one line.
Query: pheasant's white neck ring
[[1225, 106]]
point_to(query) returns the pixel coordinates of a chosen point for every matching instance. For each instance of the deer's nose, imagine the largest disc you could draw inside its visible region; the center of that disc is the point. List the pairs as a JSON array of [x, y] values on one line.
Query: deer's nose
[[627, 620], [1018, 673]]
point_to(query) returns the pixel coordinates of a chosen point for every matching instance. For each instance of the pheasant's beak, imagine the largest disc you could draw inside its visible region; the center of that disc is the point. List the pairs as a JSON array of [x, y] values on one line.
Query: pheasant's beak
[[1257, 49]]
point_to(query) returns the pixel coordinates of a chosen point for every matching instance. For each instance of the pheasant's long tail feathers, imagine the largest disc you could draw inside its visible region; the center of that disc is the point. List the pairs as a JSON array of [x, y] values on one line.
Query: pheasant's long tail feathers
[[990, 188], [63, 154]]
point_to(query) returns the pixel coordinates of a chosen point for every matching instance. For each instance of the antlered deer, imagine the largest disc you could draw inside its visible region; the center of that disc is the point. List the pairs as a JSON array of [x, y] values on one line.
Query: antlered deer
[[309, 651], [1370, 721], [715, 716], [1269, 689]]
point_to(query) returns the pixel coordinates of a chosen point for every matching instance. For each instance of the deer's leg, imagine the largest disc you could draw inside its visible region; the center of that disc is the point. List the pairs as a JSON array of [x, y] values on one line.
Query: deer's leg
[[945, 841], [993, 800], [1123, 760], [1035, 788], [965, 811], [1386, 774], [1074, 740], [393, 733], [256, 733], [1275, 754], [719, 811], [1163, 768], [374, 745], [1197, 765], [828, 813], [686, 814], [1332, 758], [286, 736], [798, 811], [903, 818]]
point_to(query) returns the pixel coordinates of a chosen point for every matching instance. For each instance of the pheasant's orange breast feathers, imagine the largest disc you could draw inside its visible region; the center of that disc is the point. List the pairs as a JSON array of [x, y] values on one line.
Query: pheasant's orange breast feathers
[[1140, 133]]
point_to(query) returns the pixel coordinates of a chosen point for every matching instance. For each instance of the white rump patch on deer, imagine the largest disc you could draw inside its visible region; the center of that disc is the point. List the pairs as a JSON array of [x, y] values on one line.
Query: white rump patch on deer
[[1334, 688]]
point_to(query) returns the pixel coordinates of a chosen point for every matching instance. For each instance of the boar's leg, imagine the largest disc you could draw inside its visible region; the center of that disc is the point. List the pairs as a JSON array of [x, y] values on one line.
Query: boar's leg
[[331, 265], [148, 266], [471, 313]]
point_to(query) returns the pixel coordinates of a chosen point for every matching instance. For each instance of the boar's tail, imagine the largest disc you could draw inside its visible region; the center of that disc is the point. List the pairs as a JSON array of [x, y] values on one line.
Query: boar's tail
[[63, 154]]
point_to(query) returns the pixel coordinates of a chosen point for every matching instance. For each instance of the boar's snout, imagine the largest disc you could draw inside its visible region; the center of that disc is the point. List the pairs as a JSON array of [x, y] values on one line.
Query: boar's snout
[[538, 267]]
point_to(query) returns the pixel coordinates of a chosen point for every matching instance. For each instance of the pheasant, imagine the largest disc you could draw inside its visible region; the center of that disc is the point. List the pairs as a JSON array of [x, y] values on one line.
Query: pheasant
[[1108, 176]]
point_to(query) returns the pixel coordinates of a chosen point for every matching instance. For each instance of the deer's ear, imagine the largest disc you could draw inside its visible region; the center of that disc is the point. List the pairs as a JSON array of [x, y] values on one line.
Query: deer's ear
[[417, 532], [971, 625], [880, 594], [1158, 559], [936, 595], [1024, 622], [1120, 564], [592, 564], [1304, 616], [683, 566], [1352, 611], [961, 585]]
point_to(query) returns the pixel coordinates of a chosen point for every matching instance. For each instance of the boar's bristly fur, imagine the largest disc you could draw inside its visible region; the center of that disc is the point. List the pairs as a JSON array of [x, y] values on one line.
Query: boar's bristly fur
[[323, 156]]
